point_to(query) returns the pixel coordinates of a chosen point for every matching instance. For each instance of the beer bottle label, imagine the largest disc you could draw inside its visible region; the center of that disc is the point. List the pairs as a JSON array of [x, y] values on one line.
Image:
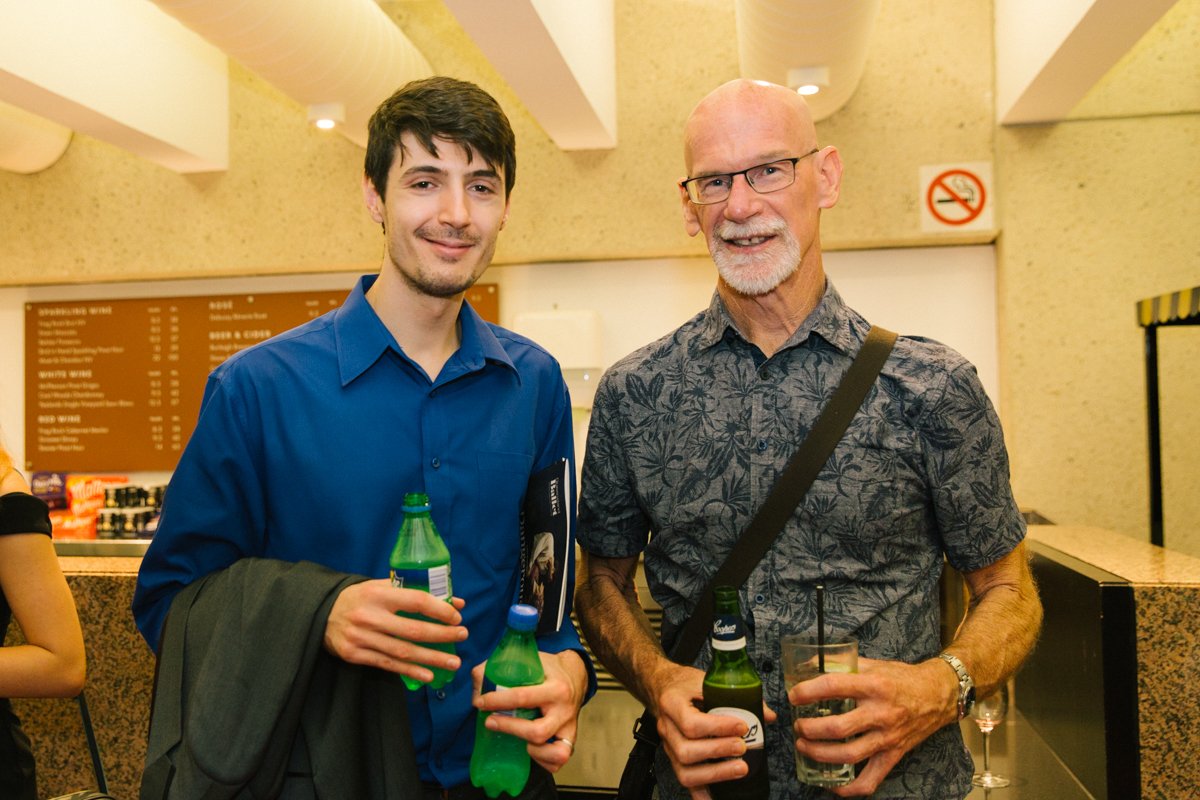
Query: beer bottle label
[[435, 580], [754, 732], [728, 633]]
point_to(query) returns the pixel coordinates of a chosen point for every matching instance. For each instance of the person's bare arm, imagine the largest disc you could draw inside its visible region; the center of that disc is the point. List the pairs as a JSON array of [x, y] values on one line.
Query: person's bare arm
[[900, 705], [615, 624], [622, 638], [1002, 623], [53, 661]]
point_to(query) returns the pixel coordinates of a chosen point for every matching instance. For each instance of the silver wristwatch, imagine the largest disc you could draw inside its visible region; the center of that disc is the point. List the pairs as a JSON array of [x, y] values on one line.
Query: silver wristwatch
[[966, 686]]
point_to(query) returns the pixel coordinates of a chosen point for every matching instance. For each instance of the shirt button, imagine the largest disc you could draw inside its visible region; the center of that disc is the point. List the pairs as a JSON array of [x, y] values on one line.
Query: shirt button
[[433, 393], [764, 373], [440, 694], [758, 598], [767, 667], [435, 463], [762, 445]]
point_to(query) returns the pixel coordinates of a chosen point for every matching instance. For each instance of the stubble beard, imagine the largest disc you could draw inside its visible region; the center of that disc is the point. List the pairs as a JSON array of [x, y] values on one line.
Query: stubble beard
[[428, 281], [758, 273]]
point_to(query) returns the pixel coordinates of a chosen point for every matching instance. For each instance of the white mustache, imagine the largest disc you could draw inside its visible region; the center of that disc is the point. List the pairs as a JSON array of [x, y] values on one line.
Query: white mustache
[[728, 230]]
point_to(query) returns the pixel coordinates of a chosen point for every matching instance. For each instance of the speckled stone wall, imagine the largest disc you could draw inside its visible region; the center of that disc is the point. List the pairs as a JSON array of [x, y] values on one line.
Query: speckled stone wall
[[290, 200], [1098, 212], [1093, 213], [1071, 350]]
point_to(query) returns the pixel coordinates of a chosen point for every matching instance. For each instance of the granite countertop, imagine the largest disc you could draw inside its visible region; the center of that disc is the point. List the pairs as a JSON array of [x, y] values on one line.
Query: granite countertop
[[1134, 560], [1138, 562], [100, 565]]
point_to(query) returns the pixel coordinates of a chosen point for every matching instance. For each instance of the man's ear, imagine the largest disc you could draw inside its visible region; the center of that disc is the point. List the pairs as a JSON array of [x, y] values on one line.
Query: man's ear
[[829, 179], [691, 220], [372, 200], [507, 208]]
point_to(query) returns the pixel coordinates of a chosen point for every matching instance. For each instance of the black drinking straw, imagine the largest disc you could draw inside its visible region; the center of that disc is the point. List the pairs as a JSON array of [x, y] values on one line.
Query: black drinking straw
[[820, 627]]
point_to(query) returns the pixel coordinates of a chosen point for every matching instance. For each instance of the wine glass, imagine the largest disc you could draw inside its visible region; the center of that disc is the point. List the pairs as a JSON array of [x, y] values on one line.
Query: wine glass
[[988, 713]]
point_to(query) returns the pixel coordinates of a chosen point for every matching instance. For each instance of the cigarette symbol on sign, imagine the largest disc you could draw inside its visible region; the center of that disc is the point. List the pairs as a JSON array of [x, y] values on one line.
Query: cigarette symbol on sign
[[955, 197], [964, 192]]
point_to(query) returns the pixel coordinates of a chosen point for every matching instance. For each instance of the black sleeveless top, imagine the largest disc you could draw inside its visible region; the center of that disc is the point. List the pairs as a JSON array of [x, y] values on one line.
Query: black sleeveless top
[[19, 513]]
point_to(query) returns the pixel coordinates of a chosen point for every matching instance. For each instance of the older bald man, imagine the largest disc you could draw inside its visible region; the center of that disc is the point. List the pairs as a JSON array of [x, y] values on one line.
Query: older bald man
[[689, 434]]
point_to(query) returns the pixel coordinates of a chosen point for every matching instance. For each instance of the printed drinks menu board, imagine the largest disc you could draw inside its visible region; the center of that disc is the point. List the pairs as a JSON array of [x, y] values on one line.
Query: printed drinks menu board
[[115, 385]]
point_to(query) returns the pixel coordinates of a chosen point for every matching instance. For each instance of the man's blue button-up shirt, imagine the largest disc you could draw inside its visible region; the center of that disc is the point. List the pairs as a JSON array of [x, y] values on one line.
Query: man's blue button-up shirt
[[305, 446]]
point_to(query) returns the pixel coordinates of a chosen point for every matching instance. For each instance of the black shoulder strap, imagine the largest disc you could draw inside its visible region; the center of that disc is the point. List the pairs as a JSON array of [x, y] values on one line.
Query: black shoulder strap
[[791, 486]]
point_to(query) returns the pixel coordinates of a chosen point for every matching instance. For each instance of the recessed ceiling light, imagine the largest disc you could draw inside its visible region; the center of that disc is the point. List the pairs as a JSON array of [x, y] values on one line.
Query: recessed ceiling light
[[326, 116], [808, 80]]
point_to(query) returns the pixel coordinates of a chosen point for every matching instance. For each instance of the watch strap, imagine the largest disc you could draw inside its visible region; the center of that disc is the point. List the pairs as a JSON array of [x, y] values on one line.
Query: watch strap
[[966, 686]]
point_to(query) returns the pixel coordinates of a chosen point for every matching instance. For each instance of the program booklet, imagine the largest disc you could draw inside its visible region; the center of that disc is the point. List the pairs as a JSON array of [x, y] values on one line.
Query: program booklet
[[545, 536]]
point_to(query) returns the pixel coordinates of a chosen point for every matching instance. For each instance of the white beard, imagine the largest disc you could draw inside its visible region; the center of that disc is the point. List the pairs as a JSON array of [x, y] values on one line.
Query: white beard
[[757, 273]]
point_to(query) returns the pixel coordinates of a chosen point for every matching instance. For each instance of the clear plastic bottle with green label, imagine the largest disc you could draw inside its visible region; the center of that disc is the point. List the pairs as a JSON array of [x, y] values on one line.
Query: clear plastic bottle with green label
[[421, 561], [500, 761], [733, 688]]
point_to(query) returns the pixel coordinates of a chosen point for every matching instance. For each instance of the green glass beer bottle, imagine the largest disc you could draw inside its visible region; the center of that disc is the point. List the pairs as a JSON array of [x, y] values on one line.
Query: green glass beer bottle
[[732, 688], [421, 561], [500, 762]]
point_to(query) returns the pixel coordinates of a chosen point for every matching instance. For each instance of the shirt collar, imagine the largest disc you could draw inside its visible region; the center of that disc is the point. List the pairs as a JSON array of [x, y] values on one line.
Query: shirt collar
[[479, 346], [830, 320], [362, 338]]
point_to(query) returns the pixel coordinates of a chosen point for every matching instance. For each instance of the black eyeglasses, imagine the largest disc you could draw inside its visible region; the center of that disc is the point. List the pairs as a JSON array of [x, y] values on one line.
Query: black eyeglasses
[[763, 178]]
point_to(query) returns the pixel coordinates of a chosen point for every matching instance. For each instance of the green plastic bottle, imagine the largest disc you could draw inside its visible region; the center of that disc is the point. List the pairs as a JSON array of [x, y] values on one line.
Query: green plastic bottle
[[420, 560], [732, 688], [500, 762]]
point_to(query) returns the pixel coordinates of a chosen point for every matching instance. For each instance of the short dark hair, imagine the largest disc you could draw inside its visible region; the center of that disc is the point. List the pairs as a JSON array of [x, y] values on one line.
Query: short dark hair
[[446, 108]]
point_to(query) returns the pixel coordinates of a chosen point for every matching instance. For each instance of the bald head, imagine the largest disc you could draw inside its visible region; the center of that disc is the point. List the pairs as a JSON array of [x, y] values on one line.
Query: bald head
[[741, 107]]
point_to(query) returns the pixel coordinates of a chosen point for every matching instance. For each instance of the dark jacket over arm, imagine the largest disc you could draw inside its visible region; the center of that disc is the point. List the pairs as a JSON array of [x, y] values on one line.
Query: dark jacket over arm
[[243, 679]]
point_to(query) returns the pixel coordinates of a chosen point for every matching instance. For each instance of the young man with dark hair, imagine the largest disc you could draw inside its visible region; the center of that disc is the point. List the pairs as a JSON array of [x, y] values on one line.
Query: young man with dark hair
[[306, 444]]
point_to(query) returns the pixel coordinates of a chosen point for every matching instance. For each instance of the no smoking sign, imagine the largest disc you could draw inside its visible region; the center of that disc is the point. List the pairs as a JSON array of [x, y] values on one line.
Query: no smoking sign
[[956, 197]]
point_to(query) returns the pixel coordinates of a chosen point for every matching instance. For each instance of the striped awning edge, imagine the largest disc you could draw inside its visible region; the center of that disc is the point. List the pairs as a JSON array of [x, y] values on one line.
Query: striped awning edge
[[1181, 306]]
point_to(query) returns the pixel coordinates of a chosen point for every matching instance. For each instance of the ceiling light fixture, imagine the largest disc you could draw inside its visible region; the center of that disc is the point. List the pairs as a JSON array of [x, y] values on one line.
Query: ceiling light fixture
[[327, 116], [808, 80]]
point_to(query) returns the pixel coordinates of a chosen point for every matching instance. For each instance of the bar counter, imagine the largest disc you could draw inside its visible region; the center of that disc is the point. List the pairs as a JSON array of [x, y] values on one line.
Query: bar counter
[[1163, 653], [1165, 586]]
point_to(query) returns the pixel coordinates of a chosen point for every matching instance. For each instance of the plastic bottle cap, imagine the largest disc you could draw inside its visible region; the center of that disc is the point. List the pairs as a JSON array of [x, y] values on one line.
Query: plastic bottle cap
[[522, 617], [415, 502]]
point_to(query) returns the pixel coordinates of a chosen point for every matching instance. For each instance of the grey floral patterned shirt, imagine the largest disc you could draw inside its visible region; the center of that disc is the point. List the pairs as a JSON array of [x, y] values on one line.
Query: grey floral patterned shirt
[[687, 437]]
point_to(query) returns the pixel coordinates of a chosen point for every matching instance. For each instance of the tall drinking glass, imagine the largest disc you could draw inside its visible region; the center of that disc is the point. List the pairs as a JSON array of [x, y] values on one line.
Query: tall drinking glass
[[805, 658]]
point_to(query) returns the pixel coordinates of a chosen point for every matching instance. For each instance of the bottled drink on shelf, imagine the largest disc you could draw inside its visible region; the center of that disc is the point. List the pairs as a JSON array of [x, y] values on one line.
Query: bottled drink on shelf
[[500, 762], [732, 688], [421, 561]]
